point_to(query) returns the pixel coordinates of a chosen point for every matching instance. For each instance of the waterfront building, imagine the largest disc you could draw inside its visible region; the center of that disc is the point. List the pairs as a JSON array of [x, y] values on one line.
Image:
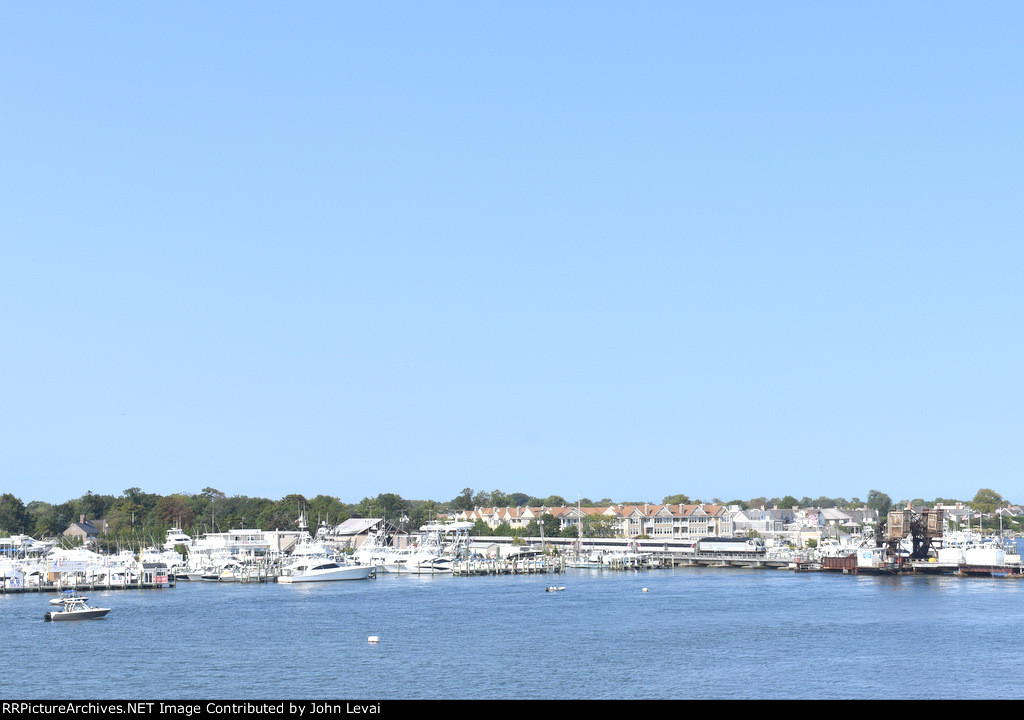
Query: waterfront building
[[756, 520], [481, 514], [512, 516], [352, 533], [688, 522], [832, 520], [863, 519], [785, 516], [83, 530], [670, 522]]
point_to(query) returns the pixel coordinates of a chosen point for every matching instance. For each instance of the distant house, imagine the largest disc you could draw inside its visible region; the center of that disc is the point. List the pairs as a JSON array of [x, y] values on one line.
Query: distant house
[[834, 517], [863, 517], [958, 514], [808, 518], [629, 521], [757, 520], [782, 516], [83, 529]]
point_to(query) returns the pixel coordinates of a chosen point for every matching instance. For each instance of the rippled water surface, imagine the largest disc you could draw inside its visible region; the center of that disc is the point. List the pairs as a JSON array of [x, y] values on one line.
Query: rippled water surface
[[696, 633]]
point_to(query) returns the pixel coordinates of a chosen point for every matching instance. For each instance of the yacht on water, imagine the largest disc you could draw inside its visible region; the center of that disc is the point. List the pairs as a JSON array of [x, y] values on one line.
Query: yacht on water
[[439, 547], [323, 569], [374, 549], [75, 608]]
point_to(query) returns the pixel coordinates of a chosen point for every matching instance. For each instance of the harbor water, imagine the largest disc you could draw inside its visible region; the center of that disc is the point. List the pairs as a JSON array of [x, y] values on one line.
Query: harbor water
[[685, 633]]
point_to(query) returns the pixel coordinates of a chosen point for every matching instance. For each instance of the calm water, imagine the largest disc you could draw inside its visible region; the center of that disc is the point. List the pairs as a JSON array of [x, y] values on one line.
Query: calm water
[[697, 633]]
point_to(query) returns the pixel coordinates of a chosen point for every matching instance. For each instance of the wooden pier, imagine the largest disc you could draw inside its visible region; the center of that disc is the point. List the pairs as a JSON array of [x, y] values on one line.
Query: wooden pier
[[498, 566], [84, 587]]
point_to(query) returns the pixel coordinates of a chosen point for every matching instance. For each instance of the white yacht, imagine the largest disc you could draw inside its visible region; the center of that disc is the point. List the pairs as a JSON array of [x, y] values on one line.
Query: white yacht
[[323, 569], [176, 536], [411, 559], [439, 547], [373, 551]]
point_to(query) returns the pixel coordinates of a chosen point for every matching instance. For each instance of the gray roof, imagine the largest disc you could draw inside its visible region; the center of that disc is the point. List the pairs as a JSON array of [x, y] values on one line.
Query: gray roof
[[357, 526], [834, 514], [86, 527]]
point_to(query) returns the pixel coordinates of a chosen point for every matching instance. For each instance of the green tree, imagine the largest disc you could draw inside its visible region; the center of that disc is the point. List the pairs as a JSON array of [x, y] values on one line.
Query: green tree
[[174, 511], [92, 506], [281, 515], [48, 520], [548, 521], [481, 499], [385, 505], [879, 501], [986, 501], [500, 499], [598, 526], [14, 518], [329, 509], [463, 501], [519, 499], [125, 520], [241, 511]]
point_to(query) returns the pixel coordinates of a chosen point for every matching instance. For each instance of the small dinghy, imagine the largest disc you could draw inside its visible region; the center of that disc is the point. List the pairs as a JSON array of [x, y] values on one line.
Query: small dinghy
[[553, 589]]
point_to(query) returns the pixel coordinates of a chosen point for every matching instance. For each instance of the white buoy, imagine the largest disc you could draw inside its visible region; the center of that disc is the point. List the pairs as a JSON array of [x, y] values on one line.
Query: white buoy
[[374, 639]]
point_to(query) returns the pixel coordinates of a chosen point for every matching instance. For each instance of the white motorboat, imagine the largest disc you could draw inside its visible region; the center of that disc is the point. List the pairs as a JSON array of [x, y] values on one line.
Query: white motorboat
[[324, 569], [374, 551], [176, 536], [439, 548], [75, 608], [413, 560]]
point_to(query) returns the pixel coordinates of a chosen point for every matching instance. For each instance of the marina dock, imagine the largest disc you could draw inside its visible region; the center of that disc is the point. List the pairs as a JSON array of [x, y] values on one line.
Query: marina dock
[[83, 587], [497, 566]]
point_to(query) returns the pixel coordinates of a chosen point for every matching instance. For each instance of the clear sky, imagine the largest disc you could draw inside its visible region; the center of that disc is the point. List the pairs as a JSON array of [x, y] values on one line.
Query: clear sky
[[625, 250]]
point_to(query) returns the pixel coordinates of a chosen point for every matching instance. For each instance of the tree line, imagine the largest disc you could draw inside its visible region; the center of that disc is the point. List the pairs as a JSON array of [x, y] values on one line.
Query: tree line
[[136, 516]]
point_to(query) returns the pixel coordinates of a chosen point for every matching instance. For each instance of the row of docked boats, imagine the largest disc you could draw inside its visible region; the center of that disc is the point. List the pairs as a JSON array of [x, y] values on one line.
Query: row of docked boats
[[437, 549], [238, 556], [322, 558], [79, 566]]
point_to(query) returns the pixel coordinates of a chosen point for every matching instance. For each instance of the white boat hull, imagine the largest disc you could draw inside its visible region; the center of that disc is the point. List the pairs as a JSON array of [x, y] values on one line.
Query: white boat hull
[[349, 572], [90, 614]]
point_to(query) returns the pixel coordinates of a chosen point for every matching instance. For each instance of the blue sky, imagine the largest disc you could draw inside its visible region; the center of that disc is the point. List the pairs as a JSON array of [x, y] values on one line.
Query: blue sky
[[726, 249]]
